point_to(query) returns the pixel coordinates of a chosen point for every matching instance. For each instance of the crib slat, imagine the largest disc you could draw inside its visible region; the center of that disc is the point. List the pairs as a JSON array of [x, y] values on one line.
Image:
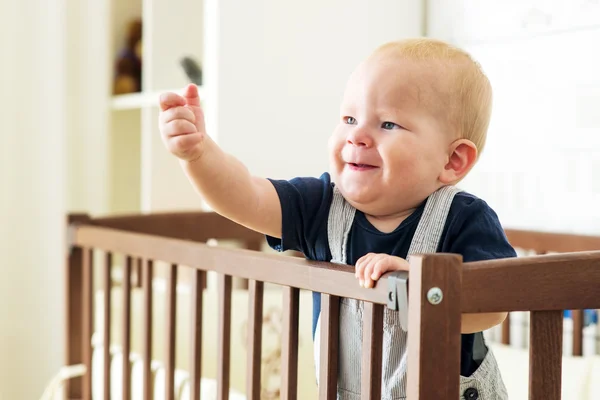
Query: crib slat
[[577, 316], [88, 321], [147, 273], [198, 284], [372, 348], [505, 334], [126, 328], [255, 316], [328, 353], [545, 355], [107, 315], [170, 334], [224, 345], [289, 351]]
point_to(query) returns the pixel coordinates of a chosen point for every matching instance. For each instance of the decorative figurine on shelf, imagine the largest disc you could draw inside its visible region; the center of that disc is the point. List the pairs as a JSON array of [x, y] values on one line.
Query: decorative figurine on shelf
[[128, 74], [192, 70]]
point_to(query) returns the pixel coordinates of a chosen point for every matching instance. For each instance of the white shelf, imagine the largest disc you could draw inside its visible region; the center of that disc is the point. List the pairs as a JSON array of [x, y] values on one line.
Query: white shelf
[[141, 99]]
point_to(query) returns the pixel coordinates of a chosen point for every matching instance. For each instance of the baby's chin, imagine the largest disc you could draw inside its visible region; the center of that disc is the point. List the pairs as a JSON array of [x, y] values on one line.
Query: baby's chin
[[361, 197]]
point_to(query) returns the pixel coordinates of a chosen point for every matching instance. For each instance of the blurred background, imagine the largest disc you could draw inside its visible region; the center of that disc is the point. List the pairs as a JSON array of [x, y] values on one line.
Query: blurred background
[[79, 82]]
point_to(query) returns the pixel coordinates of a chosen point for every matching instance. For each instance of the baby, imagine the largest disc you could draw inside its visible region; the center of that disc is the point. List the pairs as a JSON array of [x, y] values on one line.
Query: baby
[[413, 122]]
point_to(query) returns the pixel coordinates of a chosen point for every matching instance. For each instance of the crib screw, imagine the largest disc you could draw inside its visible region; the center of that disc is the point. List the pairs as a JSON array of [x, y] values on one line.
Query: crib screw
[[435, 295]]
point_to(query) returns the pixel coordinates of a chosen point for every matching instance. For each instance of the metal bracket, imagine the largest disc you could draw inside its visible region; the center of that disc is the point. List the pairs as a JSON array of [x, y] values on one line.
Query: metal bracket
[[398, 296]]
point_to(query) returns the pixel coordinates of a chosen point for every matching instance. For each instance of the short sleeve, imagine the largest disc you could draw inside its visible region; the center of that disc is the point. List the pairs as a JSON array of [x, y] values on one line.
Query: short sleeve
[[476, 233], [304, 209]]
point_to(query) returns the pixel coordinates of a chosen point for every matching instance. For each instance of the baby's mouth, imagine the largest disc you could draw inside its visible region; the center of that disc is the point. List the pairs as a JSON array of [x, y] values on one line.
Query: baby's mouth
[[361, 167]]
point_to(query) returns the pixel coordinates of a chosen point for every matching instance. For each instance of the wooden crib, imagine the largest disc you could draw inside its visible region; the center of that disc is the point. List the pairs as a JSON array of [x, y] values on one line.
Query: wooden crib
[[441, 288]]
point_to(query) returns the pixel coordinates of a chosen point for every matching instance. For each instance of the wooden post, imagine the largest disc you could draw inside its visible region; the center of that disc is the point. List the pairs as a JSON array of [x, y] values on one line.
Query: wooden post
[[545, 355], [198, 285], [505, 338], [126, 329], [148, 276], [434, 323], [255, 317], [577, 332], [171, 331], [289, 348], [329, 351], [74, 306], [372, 347], [224, 340], [87, 329]]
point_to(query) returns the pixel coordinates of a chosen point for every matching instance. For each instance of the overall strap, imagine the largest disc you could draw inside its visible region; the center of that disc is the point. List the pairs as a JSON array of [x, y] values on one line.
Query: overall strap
[[339, 222], [432, 222], [341, 216]]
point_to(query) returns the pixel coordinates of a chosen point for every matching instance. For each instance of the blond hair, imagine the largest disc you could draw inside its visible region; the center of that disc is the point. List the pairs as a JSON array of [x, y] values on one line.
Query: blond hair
[[464, 93]]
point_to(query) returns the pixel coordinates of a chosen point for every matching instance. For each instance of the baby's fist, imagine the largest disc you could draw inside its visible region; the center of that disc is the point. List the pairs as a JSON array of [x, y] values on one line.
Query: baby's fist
[[370, 267], [181, 123]]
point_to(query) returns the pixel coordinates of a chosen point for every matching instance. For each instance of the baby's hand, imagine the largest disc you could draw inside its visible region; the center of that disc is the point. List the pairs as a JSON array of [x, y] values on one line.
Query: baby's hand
[[181, 123], [370, 267]]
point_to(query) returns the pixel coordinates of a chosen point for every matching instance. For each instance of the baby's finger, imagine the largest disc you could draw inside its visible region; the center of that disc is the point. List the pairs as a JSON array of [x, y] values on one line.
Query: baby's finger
[[402, 264], [359, 267], [360, 264], [170, 99], [178, 127], [184, 145], [190, 94], [368, 282], [178, 112], [380, 267]]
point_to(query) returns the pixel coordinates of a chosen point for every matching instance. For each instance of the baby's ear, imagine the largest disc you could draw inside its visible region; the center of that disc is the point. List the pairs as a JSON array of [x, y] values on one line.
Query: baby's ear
[[462, 157]]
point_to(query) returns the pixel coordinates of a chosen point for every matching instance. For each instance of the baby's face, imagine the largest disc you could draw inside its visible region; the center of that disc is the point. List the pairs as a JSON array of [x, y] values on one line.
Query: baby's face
[[390, 145]]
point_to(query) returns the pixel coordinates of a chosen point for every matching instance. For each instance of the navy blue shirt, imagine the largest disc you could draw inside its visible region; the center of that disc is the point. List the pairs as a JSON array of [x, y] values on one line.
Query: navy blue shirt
[[472, 230]]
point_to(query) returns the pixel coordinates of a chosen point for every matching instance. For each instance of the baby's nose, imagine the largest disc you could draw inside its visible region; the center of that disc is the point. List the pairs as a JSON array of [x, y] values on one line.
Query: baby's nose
[[360, 138]]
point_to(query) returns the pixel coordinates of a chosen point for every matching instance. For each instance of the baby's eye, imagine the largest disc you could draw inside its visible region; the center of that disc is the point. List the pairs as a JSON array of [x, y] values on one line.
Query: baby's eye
[[350, 120], [390, 125]]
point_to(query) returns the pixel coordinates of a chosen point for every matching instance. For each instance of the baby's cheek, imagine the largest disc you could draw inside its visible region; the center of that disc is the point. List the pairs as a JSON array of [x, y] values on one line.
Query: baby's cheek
[[408, 165], [419, 162], [331, 143], [334, 147]]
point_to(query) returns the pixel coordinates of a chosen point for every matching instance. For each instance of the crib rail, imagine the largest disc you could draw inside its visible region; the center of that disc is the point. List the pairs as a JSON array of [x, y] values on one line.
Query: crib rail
[[548, 242], [273, 268], [194, 226], [544, 285], [123, 237], [541, 243]]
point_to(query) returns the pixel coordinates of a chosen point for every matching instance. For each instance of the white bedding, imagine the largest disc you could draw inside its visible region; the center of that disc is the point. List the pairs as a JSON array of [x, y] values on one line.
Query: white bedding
[[580, 375]]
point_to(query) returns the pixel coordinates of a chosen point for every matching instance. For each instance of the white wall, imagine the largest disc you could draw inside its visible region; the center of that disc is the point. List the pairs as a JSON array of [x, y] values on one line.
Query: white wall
[[32, 194], [541, 167], [282, 68], [89, 72], [274, 74]]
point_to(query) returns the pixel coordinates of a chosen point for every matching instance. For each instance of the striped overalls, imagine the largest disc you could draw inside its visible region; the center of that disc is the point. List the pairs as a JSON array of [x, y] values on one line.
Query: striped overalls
[[485, 383]]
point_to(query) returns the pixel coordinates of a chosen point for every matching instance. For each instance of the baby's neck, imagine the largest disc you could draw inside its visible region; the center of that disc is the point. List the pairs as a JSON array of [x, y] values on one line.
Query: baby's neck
[[387, 223]]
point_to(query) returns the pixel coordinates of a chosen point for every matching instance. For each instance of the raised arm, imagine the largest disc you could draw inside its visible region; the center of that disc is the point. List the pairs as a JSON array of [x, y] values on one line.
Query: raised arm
[[220, 179]]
